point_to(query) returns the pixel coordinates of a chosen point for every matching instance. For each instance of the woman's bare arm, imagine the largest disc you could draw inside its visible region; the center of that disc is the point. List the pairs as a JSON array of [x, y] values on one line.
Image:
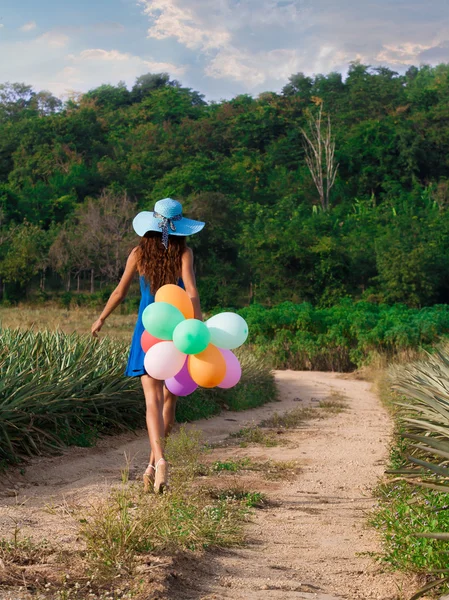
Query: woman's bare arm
[[119, 294], [188, 277]]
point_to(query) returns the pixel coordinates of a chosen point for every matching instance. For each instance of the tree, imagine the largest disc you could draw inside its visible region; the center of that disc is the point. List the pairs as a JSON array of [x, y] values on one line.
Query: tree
[[45, 103], [26, 254], [97, 239], [320, 155], [14, 99], [298, 84]]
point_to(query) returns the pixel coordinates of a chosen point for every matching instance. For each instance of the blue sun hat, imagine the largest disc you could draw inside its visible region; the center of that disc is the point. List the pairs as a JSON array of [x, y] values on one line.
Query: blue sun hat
[[166, 218]]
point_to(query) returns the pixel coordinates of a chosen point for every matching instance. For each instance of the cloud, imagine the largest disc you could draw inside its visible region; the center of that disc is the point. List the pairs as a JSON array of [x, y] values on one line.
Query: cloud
[[28, 26], [174, 18], [403, 54], [53, 39], [436, 54], [253, 69], [261, 42], [114, 58], [95, 66]]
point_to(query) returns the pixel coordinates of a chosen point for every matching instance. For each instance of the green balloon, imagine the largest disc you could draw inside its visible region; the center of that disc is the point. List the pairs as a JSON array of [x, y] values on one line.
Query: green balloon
[[160, 319], [191, 336]]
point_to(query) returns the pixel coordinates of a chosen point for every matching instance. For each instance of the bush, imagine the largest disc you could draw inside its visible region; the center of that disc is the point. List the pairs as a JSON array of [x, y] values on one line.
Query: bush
[[59, 389], [343, 337]]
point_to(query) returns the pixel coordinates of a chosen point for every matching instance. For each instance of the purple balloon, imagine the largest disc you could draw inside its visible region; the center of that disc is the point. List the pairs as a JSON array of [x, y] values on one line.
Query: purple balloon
[[181, 384], [233, 370]]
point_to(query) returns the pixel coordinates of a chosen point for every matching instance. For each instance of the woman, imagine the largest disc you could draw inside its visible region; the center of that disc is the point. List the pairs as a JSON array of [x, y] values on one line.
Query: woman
[[162, 257]]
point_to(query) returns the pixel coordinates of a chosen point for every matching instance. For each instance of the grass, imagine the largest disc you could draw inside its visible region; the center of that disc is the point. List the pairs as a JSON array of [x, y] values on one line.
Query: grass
[[274, 470], [128, 533], [292, 419], [405, 511], [255, 435], [267, 432], [333, 404], [231, 466], [62, 389], [239, 493], [50, 317]]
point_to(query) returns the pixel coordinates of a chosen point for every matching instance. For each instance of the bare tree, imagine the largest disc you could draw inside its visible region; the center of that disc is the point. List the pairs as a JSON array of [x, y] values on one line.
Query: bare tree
[[97, 240], [320, 155]]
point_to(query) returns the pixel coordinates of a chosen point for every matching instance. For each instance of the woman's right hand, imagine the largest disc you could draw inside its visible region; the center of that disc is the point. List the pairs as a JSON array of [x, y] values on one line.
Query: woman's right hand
[[96, 327]]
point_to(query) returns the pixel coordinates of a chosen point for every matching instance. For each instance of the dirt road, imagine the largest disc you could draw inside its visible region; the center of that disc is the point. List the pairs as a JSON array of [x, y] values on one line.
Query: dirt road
[[311, 543]]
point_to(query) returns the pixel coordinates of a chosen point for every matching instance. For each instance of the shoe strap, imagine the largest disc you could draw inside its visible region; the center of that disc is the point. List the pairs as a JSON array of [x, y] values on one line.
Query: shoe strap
[[157, 464]]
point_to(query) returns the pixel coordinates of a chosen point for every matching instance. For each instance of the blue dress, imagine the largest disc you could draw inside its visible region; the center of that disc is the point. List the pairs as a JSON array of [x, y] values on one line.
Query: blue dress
[[135, 366]]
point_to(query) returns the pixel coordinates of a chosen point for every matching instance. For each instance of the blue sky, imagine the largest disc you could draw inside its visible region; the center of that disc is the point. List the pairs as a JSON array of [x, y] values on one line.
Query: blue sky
[[219, 47]]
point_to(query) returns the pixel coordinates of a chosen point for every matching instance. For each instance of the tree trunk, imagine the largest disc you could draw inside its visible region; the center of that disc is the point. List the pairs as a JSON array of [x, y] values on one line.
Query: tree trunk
[[78, 282], [1, 289], [92, 286], [67, 287], [42, 285]]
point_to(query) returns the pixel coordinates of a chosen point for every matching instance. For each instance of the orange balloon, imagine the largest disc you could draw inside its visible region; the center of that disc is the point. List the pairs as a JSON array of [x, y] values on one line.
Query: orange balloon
[[147, 341], [207, 369], [175, 295]]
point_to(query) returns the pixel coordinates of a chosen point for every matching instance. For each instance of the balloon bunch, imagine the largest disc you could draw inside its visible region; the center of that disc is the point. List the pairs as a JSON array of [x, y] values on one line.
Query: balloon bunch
[[186, 352]]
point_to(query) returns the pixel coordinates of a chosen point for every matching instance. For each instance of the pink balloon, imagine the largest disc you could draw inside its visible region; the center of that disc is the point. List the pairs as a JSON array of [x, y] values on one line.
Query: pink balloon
[[233, 370], [147, 341], [181, 384], [163, 360]]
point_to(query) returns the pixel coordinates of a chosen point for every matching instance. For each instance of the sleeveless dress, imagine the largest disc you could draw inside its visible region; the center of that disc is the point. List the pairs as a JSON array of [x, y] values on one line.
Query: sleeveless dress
[[136, 357]]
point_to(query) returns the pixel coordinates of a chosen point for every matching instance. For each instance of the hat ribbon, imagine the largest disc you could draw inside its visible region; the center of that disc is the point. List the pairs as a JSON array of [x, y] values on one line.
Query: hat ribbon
[[165, 223]]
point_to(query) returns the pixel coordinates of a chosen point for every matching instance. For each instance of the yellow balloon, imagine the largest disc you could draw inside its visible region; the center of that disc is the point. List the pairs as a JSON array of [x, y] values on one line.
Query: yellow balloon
[[207, 369], [176, 296]]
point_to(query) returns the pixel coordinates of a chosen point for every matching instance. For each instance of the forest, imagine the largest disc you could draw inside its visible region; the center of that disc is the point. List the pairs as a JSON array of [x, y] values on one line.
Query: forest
[[73, 174]]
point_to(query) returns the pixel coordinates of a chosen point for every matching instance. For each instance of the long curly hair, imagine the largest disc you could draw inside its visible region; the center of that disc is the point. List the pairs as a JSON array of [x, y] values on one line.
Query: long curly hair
[[157, 264]]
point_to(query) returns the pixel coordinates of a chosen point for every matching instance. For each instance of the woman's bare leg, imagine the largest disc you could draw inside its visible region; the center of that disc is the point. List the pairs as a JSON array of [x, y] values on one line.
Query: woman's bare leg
[[169, 410], [154, 398], [168, 416]]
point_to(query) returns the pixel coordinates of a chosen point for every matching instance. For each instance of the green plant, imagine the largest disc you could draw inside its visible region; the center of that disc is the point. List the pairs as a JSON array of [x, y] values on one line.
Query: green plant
[[59, 389], [290, 419], [255, 435], [414, 512], [344, 336], [130, 523], [231, 465], [240, 494]]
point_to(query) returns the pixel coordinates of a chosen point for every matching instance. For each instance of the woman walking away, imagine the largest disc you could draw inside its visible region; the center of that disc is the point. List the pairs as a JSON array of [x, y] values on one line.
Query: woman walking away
[[162, 257]]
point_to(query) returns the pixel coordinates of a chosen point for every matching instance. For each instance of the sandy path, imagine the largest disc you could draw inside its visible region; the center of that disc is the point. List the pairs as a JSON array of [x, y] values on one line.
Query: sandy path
[[308, 546]]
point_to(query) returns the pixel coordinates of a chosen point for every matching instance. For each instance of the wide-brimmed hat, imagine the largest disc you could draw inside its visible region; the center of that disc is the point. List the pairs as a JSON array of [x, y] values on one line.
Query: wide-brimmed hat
[[166, 218]]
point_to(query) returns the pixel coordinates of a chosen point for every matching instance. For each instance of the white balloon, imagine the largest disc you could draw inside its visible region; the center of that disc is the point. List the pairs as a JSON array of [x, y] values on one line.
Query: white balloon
[[227, 330], [163, 360]]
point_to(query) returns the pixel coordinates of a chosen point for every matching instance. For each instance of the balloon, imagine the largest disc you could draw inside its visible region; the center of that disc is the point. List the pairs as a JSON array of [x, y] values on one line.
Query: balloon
[[163, 360], [191, 336], [181, 384], [208, 368], [160, 319], [233, 370], [147, 341], [227, 330], [175, 295]]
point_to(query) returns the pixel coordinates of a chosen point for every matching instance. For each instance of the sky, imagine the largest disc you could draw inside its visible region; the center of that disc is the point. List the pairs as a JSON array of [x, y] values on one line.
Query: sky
[[219, 47]]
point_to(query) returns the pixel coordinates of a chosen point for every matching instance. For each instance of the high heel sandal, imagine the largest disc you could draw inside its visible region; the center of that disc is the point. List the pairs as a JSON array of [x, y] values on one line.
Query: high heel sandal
[[161, 479], [148, 477]]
